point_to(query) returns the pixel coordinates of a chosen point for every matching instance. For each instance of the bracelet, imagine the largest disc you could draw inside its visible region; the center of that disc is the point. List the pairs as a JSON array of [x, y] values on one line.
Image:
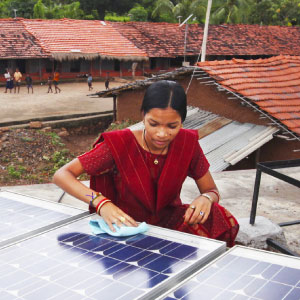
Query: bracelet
[[100, 204], [208, 197], [216, 193]]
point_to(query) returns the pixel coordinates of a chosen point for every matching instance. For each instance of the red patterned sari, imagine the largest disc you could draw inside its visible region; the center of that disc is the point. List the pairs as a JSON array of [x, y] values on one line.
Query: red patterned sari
[[125, 173]]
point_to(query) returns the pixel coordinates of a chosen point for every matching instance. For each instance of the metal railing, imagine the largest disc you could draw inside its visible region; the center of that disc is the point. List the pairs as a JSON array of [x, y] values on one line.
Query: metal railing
[[269, 168]]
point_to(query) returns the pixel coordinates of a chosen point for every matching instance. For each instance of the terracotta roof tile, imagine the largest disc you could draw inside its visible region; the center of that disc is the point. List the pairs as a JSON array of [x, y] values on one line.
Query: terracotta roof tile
[[167, 40], [17, 42], [273, 84]]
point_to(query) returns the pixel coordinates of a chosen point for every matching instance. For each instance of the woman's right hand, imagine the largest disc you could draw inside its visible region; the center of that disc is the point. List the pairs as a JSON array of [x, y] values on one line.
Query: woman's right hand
[[113, 214]]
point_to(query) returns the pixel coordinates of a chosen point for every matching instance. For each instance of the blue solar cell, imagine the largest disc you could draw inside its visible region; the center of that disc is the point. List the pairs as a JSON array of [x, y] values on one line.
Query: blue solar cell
[[273, 291], [287, 275], [293, 295], [112, 291], [270, 271], [44, 292], [181, 251], [125, 253], [161, 263]]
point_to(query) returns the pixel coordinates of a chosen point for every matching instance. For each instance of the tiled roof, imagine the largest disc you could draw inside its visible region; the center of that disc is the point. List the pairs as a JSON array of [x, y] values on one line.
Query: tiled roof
[[273, 84], [167, 40], [82, 38], [16, 42]]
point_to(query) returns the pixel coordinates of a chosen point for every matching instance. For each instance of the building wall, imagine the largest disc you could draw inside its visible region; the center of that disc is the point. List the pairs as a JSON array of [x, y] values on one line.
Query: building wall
[[199, 95]]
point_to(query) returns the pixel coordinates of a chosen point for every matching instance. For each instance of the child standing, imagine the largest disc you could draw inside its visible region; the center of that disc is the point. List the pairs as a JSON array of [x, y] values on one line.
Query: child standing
[[28, 81], [90, 81], [49, 82], [18, 78]]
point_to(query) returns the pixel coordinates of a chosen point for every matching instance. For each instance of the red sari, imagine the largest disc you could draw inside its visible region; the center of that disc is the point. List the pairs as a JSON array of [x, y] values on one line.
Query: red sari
[[125, 173]]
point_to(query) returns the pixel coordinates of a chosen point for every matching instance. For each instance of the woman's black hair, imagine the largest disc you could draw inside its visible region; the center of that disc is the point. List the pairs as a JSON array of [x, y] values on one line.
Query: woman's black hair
[[164, 94]]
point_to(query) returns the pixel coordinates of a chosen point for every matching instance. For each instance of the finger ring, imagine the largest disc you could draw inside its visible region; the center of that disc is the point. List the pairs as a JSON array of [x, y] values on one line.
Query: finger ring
[[201, 213], [122, 219], [192, 206]]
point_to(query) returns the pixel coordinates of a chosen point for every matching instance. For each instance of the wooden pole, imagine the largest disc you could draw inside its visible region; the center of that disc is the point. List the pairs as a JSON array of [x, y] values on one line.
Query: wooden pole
[[115, 108]]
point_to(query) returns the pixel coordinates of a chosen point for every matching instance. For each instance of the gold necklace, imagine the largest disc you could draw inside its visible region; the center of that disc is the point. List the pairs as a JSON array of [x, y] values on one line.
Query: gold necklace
[[144, 139]]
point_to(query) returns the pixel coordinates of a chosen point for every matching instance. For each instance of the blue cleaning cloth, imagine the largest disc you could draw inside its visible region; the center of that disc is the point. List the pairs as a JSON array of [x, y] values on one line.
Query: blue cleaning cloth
[[100, 226]]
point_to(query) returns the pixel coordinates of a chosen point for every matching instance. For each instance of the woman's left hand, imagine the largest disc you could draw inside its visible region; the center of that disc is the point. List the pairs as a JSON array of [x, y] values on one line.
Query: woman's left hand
[[198, 211]]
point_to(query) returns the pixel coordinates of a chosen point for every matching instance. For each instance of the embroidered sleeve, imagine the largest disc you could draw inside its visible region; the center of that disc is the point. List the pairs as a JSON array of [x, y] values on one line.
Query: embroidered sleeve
[[199, 164], [97, 160]]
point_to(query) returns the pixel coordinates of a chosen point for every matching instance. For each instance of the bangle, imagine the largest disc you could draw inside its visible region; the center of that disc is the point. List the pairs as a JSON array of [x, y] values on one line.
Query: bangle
[[208, 197], [216, 193], [100, 204]]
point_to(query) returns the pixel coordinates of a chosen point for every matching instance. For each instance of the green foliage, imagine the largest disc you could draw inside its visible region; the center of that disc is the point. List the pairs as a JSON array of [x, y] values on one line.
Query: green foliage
[[55, 139], [113, 17], [231, 11], [39, 10], [181, 10], [59, 159], [15, 172], [138, 13]]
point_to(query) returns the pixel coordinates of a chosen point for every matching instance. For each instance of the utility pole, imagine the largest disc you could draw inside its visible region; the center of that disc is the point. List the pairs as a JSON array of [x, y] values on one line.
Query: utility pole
[[204, 41], [185, 34]]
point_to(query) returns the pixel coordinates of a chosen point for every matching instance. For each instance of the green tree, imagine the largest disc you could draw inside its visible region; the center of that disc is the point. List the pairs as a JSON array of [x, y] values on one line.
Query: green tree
[[138, 13], [182, 9], [39, 10], [231, 11], [24, 8], [4, 12]]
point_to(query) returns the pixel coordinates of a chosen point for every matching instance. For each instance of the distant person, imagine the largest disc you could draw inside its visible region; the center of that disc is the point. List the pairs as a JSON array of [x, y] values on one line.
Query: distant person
[[90, 81], [18, 79], [50, 82], [55, 81], [107, 82], [28, 81], [9, 81]]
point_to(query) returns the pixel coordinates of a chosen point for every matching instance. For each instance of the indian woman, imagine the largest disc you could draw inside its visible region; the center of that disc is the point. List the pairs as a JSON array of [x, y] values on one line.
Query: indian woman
[[137, 176]]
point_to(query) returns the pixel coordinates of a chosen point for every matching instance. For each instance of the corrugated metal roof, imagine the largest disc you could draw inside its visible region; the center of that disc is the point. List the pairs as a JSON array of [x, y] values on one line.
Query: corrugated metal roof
[[227, 145]]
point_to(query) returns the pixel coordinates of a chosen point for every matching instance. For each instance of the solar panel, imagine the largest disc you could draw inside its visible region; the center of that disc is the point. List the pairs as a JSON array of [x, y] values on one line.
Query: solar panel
[[243, 273], [22, 215], [70, 263]]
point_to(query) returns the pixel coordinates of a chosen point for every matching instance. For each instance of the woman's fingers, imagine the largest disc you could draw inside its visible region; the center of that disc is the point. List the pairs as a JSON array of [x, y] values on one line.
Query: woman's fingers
[[197, 213]]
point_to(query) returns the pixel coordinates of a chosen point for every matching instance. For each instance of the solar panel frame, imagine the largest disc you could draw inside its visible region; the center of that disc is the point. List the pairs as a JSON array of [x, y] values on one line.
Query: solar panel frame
[[209, 249], [16, 200], [267, 261]]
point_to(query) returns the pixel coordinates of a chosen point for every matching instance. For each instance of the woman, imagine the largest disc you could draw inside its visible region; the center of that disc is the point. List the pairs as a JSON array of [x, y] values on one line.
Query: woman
[[138, 175]]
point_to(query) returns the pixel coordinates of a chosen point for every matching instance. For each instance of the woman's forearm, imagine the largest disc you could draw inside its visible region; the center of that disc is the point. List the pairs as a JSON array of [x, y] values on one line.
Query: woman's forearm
[[70, 184]]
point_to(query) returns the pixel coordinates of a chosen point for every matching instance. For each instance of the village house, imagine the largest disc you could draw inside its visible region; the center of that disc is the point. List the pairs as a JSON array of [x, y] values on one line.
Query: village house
[[116, 49]]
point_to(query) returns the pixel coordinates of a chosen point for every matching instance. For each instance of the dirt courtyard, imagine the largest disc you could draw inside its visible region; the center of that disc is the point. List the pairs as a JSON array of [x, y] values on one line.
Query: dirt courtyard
[[73, 99]]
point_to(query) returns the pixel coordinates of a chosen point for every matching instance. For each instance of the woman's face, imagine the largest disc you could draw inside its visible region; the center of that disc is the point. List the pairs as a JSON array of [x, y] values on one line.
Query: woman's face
[[162, 126]]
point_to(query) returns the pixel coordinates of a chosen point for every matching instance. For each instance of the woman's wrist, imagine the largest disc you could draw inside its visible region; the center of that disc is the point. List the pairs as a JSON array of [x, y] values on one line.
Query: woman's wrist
[[212, 196], [101, 204]]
